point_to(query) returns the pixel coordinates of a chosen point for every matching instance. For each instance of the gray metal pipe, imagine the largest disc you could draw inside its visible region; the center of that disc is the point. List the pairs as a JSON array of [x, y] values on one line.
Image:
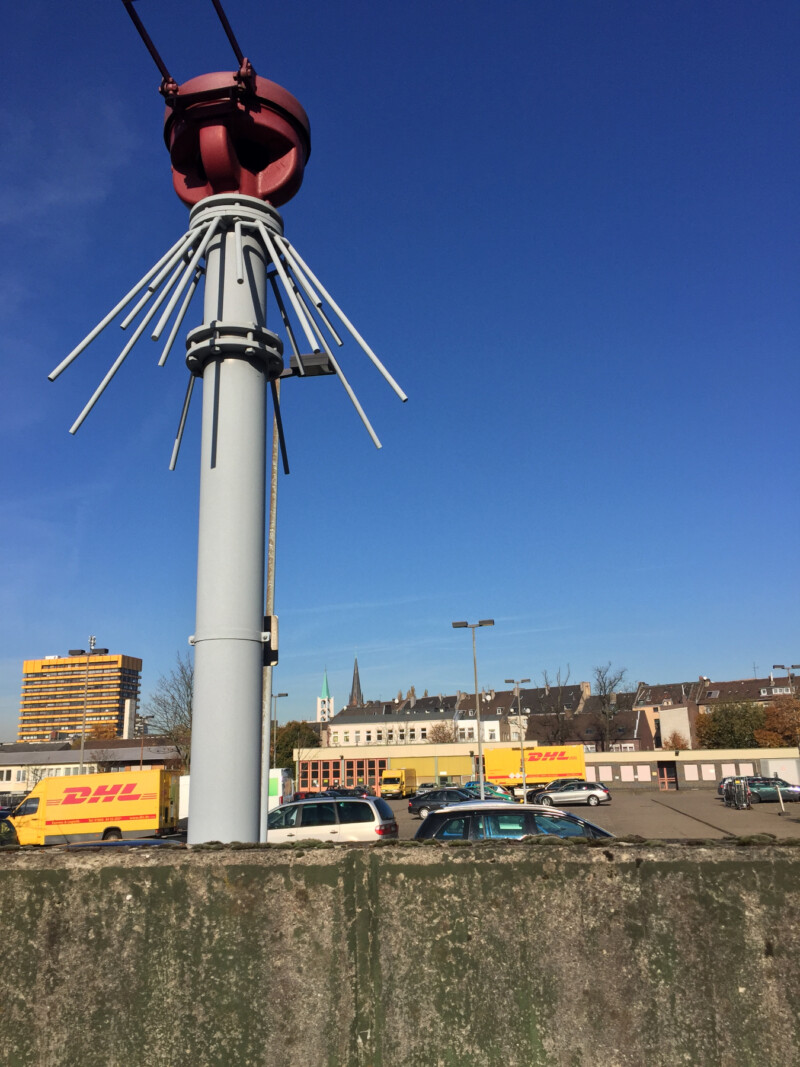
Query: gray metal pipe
[[228, 639]]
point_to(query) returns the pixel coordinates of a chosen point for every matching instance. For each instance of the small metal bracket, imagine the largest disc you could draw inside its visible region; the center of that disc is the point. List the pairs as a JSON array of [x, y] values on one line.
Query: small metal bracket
[[234, 340]]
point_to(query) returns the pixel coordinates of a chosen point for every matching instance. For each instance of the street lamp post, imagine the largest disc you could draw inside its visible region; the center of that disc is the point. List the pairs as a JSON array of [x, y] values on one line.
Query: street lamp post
[[143, 720], [792, 667], [88, 652], [518, 694], [473, 626]]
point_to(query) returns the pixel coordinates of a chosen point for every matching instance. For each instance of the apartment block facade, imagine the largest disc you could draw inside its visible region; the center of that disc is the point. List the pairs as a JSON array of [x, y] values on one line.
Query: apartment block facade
[[57, 690]]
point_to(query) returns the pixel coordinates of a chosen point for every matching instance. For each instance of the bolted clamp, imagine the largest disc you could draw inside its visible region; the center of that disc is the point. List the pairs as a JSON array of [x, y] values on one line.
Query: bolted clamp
[[235, 340]]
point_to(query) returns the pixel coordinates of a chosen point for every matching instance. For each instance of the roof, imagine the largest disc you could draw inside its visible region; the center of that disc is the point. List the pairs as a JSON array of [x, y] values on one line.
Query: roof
[[378, 712], [114, 751]]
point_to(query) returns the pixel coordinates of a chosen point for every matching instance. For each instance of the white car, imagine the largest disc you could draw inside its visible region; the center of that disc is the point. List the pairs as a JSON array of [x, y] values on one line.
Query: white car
[[336, 819]]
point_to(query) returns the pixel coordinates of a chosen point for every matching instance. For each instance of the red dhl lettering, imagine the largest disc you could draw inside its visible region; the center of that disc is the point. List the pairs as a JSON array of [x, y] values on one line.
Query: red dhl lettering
[[559, 755], [83, 794]]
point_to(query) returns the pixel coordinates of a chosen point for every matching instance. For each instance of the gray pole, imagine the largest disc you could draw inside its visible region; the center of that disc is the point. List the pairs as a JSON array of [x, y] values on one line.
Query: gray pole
[[478, 714], [266, 699], [236, 356], [92, 643]]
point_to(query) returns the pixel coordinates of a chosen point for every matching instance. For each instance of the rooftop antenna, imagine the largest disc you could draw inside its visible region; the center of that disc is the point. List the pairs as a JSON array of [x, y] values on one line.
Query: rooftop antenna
[[238, 147]]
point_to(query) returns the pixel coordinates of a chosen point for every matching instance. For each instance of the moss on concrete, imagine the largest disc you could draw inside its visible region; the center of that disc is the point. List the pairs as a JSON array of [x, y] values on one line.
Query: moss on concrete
[[536, 955]]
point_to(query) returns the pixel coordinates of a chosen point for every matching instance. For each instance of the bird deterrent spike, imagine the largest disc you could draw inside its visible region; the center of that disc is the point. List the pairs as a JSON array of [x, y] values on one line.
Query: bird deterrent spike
[[279, 267], [347, 387], [98, 329], [294, 254], [181, 424], [287, 324], [180, 316]]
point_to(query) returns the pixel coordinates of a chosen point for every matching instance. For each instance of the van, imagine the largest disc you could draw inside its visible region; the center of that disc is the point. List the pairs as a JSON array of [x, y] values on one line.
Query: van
[[398, 782], [98, 807]]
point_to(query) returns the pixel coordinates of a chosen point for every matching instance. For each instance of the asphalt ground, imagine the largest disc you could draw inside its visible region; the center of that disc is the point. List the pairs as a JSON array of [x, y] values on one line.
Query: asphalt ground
[[684, 814]]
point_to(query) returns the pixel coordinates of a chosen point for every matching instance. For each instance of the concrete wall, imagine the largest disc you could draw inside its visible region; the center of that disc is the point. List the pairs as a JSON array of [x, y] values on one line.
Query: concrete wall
[[514, 955]]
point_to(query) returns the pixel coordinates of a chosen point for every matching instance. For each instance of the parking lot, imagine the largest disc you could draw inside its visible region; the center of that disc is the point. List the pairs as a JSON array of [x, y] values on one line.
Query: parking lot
[[690, 813]]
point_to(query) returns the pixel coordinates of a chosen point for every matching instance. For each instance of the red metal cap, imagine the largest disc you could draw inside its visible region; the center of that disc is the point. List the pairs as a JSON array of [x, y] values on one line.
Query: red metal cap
[[230, 133]]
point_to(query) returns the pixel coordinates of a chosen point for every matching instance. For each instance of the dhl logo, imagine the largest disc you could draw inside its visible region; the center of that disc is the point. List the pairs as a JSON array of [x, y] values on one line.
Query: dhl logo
[[552, 754], [84, 794]]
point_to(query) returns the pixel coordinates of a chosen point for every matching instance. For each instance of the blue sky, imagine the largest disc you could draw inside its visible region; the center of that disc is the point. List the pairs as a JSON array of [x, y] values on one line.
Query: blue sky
[[568, 229]]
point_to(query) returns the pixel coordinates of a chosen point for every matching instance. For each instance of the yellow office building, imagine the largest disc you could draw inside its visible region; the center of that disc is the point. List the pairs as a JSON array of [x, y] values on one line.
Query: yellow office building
[[58, 691]]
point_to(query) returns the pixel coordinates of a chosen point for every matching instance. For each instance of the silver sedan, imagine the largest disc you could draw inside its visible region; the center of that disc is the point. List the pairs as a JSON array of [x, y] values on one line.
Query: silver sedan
[[576, 793]]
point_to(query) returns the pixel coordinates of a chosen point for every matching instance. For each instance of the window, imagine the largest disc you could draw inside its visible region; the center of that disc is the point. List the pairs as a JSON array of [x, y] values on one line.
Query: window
[[462, 734], [368, 736], [379, 735], [423, 733], [455, 828], [347, 737], [501, 824], [412, 734], [321, 814], [283, 818], [560, 826], [353, 811], [492, 736], [335, 738], [28, 807], [357, 737]]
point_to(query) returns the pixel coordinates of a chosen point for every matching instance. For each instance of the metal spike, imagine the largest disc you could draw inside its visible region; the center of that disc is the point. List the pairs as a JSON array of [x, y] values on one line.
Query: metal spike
[[181, 424], [115, 311], [295, 255]]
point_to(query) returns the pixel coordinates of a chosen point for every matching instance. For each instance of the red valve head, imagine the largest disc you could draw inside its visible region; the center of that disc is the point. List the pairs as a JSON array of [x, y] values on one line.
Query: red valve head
[[232, 134]]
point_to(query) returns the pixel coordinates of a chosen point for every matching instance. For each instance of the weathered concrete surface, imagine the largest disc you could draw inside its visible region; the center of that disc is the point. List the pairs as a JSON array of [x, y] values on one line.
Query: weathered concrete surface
[[515, 955]]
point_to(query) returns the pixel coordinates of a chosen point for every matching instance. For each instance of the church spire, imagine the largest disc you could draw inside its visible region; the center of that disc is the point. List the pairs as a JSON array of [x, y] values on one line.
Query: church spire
[[325, 710], [356, 696]]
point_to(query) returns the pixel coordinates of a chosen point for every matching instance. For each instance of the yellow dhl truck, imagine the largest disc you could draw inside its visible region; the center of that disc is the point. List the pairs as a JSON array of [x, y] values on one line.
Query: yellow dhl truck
[[503, 765], [98, 807], [398, 782]]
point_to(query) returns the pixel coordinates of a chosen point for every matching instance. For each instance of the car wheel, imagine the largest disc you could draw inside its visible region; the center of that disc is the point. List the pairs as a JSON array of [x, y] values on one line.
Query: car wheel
[[546, 801], [424, 812], [592, 801], [112, 835]]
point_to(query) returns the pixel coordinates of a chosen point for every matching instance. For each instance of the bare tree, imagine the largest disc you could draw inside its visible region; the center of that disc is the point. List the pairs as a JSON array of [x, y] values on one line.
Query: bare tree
[[170, 707], [442, 733], [555, 727], [607, 682]]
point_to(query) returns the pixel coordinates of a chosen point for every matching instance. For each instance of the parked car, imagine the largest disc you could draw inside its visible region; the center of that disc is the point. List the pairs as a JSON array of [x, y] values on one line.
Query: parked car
[[765, 789], [422, 804], [499, 821], [336, 819], [592, 793], [490, 789], [556, 784], [490, 792]]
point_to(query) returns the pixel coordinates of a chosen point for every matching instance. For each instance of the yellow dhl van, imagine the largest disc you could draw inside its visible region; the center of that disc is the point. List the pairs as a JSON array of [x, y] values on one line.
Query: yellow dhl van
[[542, 764], [398, 782], [98, 807]]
